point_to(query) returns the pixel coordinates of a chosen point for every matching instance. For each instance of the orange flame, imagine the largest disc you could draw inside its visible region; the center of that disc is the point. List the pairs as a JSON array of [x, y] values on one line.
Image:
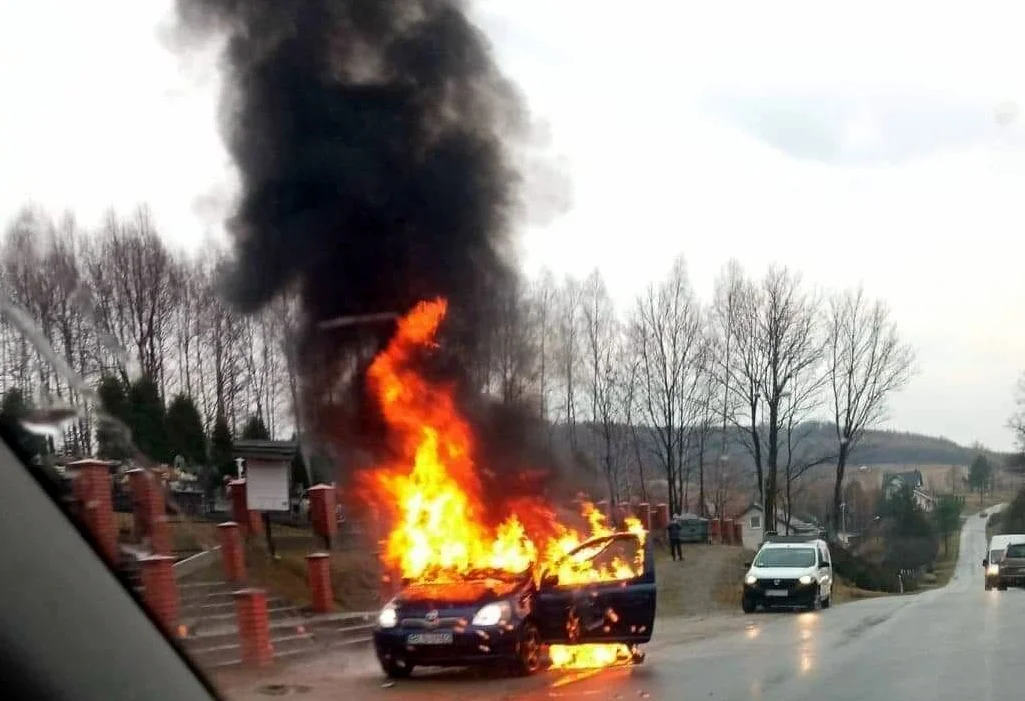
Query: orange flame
[[432, 494]]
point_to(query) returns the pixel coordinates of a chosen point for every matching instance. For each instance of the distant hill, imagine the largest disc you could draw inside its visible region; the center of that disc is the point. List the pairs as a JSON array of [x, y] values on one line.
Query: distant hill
[[890, 448]]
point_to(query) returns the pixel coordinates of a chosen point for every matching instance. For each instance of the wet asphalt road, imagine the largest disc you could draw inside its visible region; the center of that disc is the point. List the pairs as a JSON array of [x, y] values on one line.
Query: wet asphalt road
[[959, 642]]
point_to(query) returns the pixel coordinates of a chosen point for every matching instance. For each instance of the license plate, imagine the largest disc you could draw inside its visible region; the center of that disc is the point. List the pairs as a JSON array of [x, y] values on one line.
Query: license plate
[[775, 592], [429, 639]]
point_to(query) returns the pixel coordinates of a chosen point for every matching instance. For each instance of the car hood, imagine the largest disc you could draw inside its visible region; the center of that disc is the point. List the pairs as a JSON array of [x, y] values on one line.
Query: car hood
[[780, 572], [458, 594]]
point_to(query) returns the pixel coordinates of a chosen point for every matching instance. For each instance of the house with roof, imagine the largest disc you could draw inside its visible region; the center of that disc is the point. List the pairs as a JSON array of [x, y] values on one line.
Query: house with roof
[[752, 520], [893, 482]]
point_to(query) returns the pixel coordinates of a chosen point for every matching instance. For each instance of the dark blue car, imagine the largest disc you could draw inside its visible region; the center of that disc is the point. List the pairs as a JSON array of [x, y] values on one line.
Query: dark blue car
[[498, 618]]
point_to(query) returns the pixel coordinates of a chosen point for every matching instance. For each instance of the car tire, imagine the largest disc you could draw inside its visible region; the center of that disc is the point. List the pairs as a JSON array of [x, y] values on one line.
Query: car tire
[[393, 669], [827, 602], [1001, 587], [747, 605], [816, 603], [528, 650]]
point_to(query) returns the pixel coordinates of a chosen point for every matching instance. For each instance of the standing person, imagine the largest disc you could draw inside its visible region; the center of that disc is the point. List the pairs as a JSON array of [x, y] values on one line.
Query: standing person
[[675, 545]]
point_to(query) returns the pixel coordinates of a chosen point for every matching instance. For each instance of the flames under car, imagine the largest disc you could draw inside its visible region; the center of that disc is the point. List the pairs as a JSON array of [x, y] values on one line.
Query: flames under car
[[490, 617]]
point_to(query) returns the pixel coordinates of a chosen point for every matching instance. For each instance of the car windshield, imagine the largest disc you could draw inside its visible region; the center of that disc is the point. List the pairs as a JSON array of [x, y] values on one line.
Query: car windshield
[[785, 557], [1016, 550]]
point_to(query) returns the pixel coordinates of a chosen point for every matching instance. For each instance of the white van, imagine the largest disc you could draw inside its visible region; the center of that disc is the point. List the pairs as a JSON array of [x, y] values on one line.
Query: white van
[[789, 571], [997, 545]]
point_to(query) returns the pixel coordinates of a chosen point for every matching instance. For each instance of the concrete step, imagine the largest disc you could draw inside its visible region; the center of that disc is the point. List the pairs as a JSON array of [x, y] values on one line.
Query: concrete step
[[224, 607], [227, 634], [227, 616], [344, 636], [227, 655]]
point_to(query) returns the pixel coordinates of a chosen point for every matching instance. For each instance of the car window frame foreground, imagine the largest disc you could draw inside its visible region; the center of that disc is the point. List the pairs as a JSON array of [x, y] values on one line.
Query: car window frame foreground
[[69, 629]]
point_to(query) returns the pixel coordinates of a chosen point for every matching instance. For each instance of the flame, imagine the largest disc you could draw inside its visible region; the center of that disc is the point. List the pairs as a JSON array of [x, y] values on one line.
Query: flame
[[588, 656], [438, 528]]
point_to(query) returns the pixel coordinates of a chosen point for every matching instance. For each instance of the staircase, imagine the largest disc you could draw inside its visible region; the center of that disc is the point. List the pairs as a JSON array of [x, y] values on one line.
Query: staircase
[[208, 614]]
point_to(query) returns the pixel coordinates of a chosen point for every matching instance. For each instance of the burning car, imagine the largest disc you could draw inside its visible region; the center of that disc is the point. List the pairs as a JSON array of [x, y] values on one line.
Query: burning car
[[523, 620], [487, 579]]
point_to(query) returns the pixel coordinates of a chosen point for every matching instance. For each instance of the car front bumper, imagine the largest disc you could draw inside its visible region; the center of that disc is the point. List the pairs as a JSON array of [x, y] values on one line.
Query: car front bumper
[[471, 646], [796, 595]]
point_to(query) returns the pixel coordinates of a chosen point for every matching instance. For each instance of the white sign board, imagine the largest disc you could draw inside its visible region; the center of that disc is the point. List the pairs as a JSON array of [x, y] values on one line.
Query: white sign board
[[267, 485]]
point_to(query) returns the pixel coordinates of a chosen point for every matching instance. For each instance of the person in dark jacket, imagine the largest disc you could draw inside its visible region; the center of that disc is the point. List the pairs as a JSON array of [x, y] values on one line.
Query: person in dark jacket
[[675, 529]]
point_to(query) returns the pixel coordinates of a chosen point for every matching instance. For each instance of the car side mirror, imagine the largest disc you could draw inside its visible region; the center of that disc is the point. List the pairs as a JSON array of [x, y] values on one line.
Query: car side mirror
[[747, 564], [985, 562]]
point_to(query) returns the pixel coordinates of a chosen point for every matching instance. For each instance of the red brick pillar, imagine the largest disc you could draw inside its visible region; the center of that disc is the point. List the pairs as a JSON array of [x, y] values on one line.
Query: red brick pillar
[[232, 555], [644, 514], [159, 590], [318, 572], [239, 505], [254, 628], [322, 511], [661, 516], [156, 516], [138, 481], [93, 489]]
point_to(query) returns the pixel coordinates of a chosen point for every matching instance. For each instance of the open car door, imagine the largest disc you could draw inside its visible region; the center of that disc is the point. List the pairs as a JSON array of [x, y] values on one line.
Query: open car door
[[609, 610]]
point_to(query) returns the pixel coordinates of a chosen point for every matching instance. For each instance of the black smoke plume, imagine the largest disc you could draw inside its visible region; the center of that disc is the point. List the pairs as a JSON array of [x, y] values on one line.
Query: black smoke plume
[[372, 141]]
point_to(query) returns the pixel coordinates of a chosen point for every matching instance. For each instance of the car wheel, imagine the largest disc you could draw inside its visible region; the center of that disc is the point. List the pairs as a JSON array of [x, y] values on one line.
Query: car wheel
[[747, 605], [816, 602], [396, 669], [1001, 587], [528, 650], [827, 602]]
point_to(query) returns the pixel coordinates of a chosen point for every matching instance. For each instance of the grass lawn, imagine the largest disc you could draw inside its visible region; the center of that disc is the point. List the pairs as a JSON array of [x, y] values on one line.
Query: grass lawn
[[355, 572], [946, 562]]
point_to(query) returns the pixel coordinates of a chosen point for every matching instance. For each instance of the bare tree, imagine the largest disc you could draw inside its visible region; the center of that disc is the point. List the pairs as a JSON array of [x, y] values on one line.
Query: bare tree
[[666, 330], [603, 365], [136, 280], [866, 362], [792, 347], [544, 293], [568, 351], [513, 345]]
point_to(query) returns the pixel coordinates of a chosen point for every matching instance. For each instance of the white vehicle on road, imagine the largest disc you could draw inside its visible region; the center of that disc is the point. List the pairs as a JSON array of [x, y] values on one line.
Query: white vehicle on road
[[791, 571]]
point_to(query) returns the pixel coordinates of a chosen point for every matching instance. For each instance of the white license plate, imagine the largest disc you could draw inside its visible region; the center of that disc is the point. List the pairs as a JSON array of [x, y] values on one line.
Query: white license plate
[[775, 592], [429, 639]]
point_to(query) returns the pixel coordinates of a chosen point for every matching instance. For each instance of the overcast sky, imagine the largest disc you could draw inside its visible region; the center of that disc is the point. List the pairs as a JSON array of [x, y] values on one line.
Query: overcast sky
[[880, 145]]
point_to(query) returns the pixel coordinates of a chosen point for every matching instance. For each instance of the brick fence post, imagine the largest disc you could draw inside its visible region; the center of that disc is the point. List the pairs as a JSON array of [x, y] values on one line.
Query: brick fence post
[[644, 513], [159, 590], [253, 627], [93, 488], [661, 516], [138, 480], [232, 555], [318, 573], [156, 517], [322, 512], [250, 521]]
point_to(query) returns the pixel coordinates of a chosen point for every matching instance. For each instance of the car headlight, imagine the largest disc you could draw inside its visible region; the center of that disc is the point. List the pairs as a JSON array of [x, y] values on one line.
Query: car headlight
[[491, 614], [993, 569], [388, 617], [806, 579], [750, 579]]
